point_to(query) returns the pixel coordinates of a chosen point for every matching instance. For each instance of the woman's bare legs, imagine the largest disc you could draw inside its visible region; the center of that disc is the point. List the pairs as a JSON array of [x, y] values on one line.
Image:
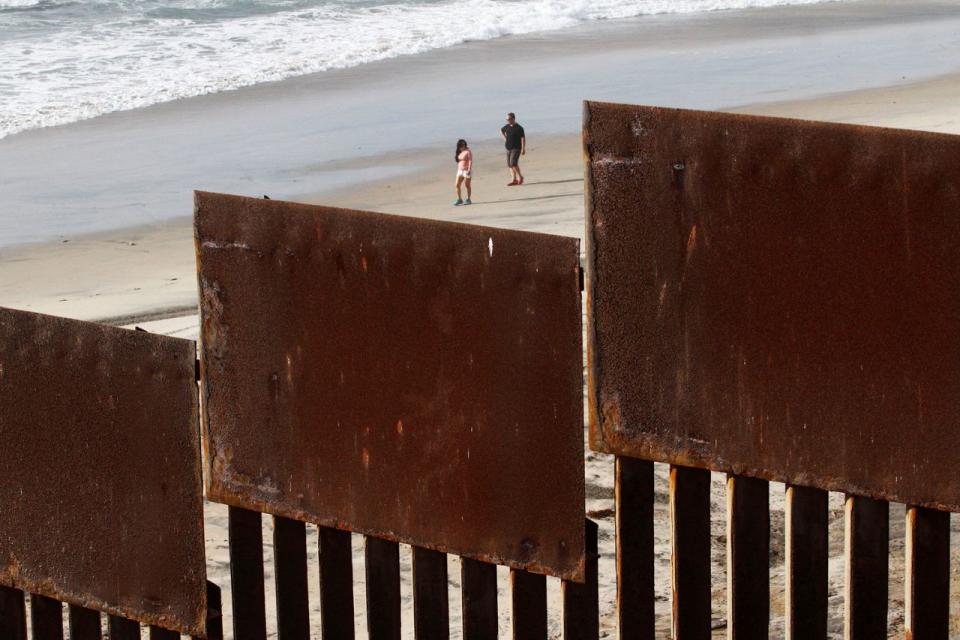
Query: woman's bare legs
[[459, 182], [467, 181]]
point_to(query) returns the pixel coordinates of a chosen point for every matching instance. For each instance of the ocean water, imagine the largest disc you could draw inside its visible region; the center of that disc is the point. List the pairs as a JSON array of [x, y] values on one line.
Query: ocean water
[[67, 60]]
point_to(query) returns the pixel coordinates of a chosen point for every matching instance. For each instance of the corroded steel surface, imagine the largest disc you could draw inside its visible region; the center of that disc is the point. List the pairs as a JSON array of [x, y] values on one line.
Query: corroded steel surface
[[414, 380], [776, 298], [100, 489]]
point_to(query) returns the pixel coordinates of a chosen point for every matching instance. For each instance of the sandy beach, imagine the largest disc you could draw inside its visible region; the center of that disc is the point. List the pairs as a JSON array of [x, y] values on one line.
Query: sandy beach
[[147, 272], [877, 63]]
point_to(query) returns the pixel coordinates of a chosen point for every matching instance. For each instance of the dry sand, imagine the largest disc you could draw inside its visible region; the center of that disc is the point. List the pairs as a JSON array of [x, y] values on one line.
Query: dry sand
[[146, 276]]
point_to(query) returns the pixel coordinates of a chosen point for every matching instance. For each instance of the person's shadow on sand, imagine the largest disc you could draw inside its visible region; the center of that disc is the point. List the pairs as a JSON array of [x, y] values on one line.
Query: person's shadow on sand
[[546, 197], [531, 184], [578, 194]]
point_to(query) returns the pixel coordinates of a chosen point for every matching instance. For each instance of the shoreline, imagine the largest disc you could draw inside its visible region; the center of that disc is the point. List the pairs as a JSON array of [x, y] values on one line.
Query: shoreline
[[146, 274], [380, 155], [290, 138], [665, 29], [293, 56]]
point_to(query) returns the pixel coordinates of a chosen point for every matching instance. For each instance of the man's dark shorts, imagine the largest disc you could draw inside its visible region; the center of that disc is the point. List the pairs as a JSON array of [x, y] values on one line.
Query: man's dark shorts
[[513, 157]]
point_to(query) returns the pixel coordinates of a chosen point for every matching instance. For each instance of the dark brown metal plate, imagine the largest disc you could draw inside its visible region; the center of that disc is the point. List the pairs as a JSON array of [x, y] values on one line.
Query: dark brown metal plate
[[776, 298], [413, 380], [100, 489]]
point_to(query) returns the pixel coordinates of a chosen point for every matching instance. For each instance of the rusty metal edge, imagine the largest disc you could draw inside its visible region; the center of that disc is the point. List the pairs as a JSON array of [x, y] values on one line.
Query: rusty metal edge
[[595, 430], [49, 589], [749, 117], [200, 196], [235, 495], [649, 450], [200, 629], [239, 494]]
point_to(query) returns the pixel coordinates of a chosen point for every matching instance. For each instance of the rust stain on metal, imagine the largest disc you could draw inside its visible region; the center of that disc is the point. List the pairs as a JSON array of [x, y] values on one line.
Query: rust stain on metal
[[776, 298], [414, 380], [100, 498]]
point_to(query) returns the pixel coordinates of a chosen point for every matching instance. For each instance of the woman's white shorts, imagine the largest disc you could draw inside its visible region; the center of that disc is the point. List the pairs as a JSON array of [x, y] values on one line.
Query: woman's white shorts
[[464, 173]]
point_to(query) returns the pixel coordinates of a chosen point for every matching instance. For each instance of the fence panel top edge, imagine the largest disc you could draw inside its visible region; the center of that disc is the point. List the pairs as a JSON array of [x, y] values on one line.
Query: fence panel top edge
[[775, 298], [102, 492], [410, 379]]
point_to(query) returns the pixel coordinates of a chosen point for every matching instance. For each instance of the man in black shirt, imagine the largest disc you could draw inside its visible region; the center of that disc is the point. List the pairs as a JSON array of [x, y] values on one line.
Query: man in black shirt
[[516, 143]]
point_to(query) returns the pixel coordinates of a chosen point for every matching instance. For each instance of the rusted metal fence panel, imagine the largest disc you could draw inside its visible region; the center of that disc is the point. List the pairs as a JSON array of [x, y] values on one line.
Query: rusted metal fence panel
[[159, 633], [290, 567], [214, 613], [123, 629], [412, 380], [336, 583], [13, 614], [101, 491], [246, 574], [84, 624], [478, 584], [46, 618], [776, 298], [581, 602], [528, 599], [806, 563], [867, 557], [748, 558], [431, 609], [384, 607], [927, 605], [690, 553], [634, 496]]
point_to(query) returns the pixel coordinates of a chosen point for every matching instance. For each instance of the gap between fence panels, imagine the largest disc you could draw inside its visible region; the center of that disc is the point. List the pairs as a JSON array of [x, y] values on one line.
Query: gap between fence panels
[[412, 592], [816, 525], [811, 524], [808, 545], [900, 559], [817, 530]]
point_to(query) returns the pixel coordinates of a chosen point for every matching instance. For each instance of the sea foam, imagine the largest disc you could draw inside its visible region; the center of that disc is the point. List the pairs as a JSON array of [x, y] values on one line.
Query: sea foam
[[67, 60]]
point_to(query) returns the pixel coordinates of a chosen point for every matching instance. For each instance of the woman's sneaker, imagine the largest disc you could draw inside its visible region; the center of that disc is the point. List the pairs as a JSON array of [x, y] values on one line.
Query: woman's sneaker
[[467, 201], [458, 202]]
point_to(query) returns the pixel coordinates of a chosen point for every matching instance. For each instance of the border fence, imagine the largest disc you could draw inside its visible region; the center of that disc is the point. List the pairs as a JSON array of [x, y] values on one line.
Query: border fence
[[101, 501], [766, 298], [779, 303]]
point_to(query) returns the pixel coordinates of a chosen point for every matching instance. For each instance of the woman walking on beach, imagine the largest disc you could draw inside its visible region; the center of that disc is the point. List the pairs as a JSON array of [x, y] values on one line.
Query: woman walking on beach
[[464, 159]]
